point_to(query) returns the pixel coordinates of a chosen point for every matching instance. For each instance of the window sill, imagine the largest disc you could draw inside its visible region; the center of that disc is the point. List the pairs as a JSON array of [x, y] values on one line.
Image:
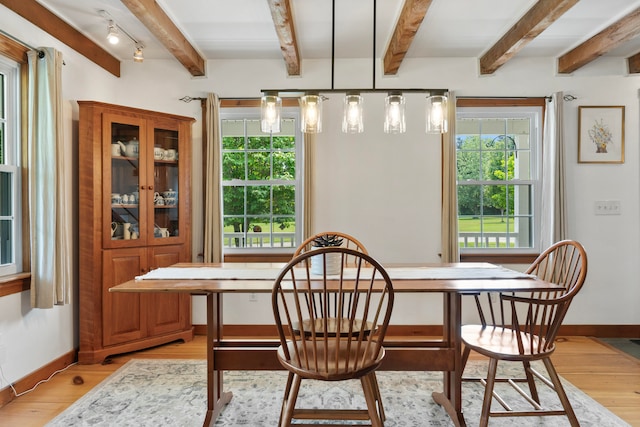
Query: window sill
[[15, 283], [499, 258]]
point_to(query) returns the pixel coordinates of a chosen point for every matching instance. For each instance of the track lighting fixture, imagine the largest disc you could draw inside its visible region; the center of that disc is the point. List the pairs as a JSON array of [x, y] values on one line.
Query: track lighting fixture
[[113, 35]]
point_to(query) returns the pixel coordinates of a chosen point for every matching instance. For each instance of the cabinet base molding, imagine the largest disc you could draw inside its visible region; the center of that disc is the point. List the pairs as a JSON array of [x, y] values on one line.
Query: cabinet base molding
[[99, 356]]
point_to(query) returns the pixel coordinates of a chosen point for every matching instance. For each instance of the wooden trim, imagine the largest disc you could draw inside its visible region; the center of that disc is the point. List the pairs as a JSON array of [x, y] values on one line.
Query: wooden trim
[[283, 22], [501, 102], [28, 382], [13, 50], [15, 283], [409, 21], [254, 102], [503, 258], [415, 331], [279, 257]]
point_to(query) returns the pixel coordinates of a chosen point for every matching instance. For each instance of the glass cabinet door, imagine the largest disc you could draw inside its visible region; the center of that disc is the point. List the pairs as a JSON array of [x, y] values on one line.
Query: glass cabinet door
[[123, 187], [166, 184]]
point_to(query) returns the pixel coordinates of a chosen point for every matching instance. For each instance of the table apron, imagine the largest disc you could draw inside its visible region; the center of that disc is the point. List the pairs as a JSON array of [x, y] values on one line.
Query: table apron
[[396, 359]]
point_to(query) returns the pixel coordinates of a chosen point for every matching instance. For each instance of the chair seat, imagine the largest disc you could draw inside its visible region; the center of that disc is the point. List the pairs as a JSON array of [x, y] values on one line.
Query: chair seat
[[502, 343], [305, 363], [333, 326]]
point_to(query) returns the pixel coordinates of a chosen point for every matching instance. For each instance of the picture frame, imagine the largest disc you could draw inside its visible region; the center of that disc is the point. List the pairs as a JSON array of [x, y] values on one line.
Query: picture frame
[[601, 134]]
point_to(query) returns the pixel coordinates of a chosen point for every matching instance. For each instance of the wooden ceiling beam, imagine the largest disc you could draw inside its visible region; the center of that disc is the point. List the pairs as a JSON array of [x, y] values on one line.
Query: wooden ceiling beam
[[43, 18], [535, 21], [412, 15], [162, 27], [283, 21], [611, 37]]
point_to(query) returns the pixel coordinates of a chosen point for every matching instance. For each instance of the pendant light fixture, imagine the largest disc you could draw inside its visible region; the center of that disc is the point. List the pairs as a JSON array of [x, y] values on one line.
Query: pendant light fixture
[[436, 114], [394, 121], [352, 114], [353, 111], [311, 113], [270, 111]]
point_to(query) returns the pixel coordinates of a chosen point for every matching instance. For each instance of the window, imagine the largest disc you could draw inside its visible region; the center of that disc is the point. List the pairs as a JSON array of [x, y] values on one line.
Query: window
[[10, 231], [261, 182], [498, 178]]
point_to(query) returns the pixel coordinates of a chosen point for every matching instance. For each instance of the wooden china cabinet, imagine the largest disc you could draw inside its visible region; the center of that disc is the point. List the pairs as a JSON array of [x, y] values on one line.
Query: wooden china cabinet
[[134, 216]]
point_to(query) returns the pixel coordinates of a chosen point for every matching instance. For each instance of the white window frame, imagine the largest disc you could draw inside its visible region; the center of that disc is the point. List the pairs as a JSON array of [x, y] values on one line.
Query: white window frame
[[11, 165], [535, 114], [253, 113]]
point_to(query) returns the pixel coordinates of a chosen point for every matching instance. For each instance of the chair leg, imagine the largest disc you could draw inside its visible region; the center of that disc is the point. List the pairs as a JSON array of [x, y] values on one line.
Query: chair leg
[[378, 396], [530, 380], [465, 357], [289, 403], [369, 395], [285, 399], [555, 379], [488, 392]]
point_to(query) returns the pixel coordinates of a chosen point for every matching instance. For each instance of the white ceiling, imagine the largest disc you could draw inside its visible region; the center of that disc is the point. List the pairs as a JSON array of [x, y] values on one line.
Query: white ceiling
[[239, 29]]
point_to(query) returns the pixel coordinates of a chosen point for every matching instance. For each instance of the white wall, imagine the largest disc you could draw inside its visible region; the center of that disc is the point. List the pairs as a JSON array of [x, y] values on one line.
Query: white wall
[[385, 189]]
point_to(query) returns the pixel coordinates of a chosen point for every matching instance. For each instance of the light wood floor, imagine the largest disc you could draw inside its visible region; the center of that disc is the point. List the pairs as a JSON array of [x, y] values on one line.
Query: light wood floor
[[607, 375]]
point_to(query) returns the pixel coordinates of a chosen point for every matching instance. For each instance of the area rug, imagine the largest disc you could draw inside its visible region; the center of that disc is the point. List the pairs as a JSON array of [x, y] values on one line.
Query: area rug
[[173, 393]]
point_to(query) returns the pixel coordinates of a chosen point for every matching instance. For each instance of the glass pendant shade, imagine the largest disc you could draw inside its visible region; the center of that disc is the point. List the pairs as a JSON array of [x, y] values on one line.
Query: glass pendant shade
[[437, 114], [311, 112], [352, 115], [270, 111], [394, 121]]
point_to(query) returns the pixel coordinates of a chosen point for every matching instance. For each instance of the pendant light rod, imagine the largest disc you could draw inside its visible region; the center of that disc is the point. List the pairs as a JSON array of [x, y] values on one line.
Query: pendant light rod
[[333, 39], [373, 56]]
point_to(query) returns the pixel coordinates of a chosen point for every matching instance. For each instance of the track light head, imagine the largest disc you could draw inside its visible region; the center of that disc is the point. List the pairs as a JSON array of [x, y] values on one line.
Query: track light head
[[113, 35]]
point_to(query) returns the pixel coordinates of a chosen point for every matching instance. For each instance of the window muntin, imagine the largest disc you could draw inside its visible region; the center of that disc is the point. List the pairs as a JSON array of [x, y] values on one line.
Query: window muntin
[[261, 183], [498, 178], [10, 249]]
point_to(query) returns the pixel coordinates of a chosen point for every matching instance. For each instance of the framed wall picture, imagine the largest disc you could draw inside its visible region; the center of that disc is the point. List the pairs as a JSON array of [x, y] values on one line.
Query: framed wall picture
[[601, 134]]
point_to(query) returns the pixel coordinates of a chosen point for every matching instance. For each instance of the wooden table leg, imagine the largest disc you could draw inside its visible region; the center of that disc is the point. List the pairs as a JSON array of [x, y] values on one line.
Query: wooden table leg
[[451, 396], [217, 398]]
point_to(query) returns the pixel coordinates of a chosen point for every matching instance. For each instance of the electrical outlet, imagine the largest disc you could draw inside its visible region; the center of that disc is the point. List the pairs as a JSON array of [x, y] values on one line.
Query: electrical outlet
[[607, 207]]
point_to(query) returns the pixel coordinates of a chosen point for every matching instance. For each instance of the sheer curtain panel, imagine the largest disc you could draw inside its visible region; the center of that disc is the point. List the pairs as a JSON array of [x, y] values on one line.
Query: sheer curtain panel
[[49, 182], [450, 245], [212, 177], [554, 210]]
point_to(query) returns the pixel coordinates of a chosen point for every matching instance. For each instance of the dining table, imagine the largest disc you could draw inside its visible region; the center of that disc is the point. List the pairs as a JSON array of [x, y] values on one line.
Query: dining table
[[402, 353]]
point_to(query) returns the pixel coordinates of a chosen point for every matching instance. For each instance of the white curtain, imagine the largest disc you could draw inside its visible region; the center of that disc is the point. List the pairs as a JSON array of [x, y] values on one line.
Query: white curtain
[[554, 218], [450, 245], [49, 182], [212, 206], [307, 209]]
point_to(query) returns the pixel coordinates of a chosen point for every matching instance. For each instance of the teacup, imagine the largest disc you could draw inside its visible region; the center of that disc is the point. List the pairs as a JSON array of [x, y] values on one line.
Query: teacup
[[170, 201], [158, 153], [115, 150], [158, 200], [170, 194], [116, 199], [169, 154]]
